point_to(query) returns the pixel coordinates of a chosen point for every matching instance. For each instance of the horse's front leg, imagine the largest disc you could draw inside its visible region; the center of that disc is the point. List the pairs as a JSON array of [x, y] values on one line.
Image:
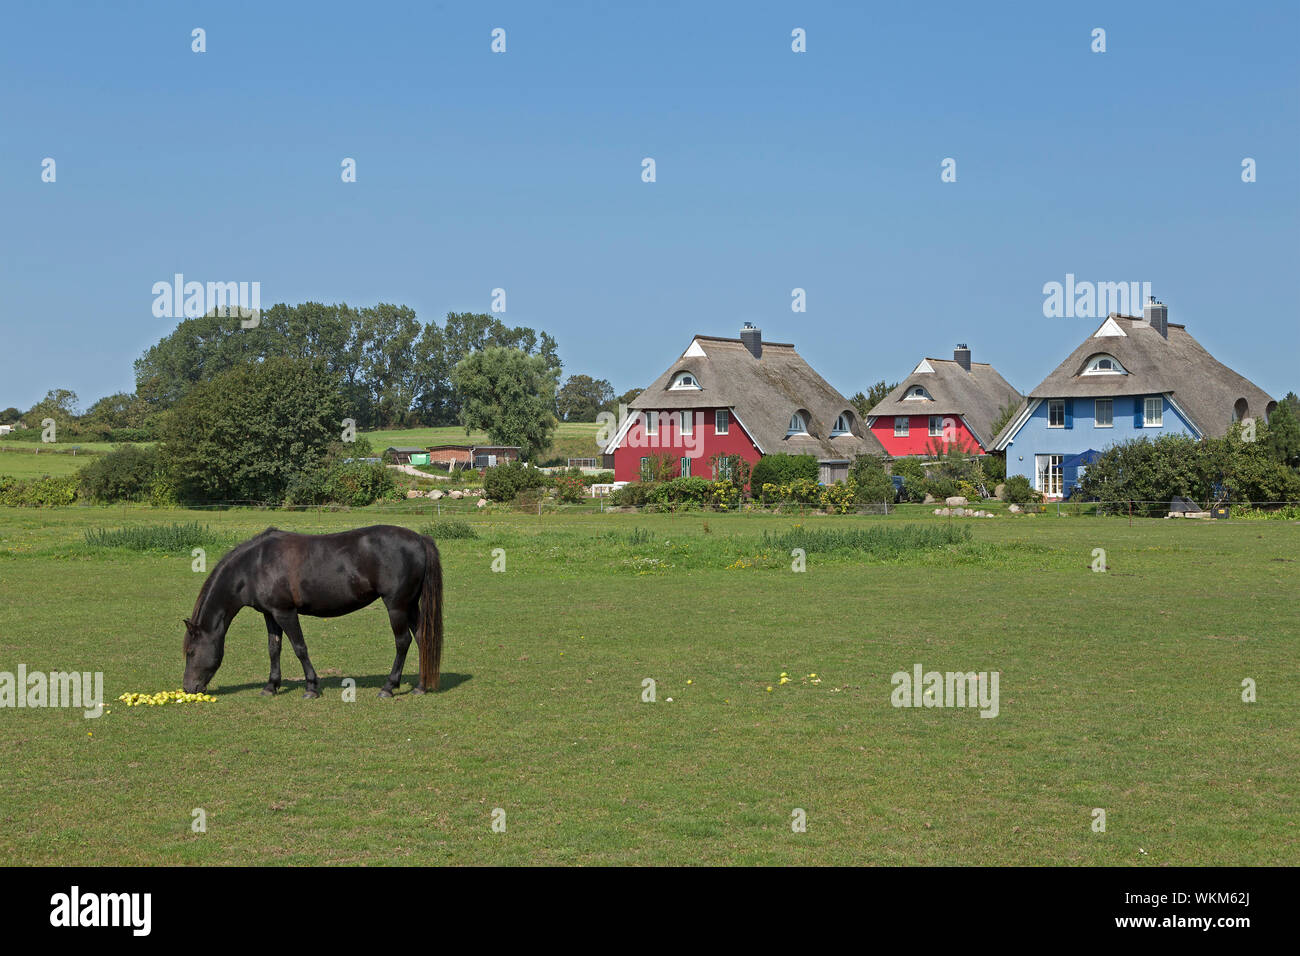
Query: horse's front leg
[[288, 622], [273, 634]]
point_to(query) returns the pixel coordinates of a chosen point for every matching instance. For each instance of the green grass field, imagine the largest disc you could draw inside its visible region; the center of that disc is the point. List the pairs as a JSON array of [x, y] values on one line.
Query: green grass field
[[1118, 690], [571, 439], [29, 463]]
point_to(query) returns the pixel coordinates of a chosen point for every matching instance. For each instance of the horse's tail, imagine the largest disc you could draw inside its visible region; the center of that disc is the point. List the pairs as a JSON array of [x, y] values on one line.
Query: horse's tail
[[429, 636]]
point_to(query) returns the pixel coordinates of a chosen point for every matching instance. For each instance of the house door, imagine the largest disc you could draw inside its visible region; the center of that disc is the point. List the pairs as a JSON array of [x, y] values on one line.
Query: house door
[[1049, 474]]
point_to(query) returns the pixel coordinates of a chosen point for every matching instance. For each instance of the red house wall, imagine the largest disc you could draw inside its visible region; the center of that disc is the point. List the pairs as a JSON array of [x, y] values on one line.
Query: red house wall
[[918, 437], [705, 443]]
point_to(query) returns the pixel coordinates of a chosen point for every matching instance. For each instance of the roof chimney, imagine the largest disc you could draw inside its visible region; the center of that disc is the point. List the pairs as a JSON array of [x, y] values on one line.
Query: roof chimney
[[1156, 315], [752, 339], [961, 355]]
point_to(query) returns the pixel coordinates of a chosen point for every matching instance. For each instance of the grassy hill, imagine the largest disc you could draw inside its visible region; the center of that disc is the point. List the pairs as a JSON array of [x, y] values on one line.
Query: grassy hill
[[571, 439]]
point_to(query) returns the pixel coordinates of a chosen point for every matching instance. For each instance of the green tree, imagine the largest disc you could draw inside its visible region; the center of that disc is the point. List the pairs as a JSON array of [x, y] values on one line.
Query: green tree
[[10, 415], [874, 396], [59, 404], [582, 397], [1283, 437], [510, 395], [248, 432]]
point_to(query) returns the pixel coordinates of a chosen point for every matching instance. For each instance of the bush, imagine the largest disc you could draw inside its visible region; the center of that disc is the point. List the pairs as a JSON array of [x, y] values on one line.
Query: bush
[[449, 528], [873, 487], [169, 539], [995, 468], [724, 494], [692, 490], [571, 488], [128, 473], [358, 484], [913, 474], [940, 488], [38, 492], [505, 482], [634, 495], [782, 469], [839, 497], [1018, 491]]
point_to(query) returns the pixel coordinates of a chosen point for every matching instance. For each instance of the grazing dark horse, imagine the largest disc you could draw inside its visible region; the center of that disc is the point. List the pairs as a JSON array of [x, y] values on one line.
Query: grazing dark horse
[[284, 575]]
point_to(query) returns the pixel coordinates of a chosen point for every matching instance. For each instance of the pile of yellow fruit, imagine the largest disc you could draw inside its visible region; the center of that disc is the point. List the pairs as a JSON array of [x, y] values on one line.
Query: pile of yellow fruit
[[163, 697]]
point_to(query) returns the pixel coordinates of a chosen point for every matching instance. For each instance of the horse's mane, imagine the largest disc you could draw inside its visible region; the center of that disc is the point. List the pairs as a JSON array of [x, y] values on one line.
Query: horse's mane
[[227, 558]]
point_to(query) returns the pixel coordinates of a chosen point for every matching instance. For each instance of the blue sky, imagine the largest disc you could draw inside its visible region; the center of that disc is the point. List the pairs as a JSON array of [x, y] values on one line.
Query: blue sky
[[775, 170]]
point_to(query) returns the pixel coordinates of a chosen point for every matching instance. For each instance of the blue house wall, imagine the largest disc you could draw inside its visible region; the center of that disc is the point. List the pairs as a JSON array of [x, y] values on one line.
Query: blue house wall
[[1081, 433]]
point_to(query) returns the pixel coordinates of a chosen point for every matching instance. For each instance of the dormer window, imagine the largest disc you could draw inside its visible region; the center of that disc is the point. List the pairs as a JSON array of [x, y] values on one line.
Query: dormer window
[[798, 425], [842, 426], [684, 380], [1104, 365], [917, 394]]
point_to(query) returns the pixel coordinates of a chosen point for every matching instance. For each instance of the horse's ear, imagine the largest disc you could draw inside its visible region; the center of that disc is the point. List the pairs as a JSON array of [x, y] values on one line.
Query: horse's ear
[[186, 622]]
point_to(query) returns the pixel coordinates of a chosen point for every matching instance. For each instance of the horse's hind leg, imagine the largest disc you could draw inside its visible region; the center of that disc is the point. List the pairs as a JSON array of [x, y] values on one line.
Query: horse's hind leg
[[403, 622], [273, 634], [288, 622]]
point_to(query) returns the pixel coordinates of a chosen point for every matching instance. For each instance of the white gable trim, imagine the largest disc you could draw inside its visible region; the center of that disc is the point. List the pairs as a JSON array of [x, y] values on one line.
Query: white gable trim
[[1169, 397], [694, 350], [632, 418], [1109, 328], [748, 433], [1018, 424], [924, 367]]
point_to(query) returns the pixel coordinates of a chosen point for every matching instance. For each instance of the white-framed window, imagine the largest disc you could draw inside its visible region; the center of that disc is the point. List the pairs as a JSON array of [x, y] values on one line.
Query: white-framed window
[[936, 426], [917, 394], [723, 467], [652, 423], [721, 421], [685, 380], [1153, 412], [902, 424], [688, 423], [1056, 413], [797, 425], [686, 468], [645, 469], [1103, 415], [1104, 365], [841, 426], [1049, 473]]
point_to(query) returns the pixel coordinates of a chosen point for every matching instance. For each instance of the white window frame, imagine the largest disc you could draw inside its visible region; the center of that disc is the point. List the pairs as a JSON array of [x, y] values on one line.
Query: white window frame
[[686, 424], [686, 466], [1110, 412], [651, 423], [680, 383], [917, 394], [906, 426], [721, 421], [841, 426], [1147, 420], [1049, 475], [936, 432], [1115, 369], [800, 421], [1054, 403]]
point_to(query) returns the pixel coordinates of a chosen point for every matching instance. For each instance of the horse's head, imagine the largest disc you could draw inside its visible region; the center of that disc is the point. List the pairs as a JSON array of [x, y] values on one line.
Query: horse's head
[[203, 652]]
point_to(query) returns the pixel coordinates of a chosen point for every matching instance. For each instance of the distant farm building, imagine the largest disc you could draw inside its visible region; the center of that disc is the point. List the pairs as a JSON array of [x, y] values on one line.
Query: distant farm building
[[472, 456]]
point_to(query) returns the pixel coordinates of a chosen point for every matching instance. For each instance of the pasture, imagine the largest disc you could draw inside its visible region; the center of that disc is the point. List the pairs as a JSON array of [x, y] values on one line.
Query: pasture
[[1119, 690], [570, 439]]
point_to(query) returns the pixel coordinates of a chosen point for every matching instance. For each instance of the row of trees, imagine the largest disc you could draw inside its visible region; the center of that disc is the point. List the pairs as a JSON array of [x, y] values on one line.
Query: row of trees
[[394, 370]]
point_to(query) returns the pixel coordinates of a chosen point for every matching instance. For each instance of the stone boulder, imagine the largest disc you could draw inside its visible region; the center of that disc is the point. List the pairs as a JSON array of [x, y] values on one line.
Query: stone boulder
[[435, 495], [1014, 509], [413, 493], [482, 503], [955, 502], [456, 495], [929, 500], [999, 491]]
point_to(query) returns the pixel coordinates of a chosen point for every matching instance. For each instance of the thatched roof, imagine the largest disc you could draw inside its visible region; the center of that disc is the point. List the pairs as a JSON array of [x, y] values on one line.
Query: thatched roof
[[978, 396], [764, 392], [1203, 387]]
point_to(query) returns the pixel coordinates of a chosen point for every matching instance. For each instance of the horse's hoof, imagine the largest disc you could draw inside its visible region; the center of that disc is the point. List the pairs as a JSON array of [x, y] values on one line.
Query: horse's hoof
[[310, 695], [268, 692], [385, 692], [418, 690]]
